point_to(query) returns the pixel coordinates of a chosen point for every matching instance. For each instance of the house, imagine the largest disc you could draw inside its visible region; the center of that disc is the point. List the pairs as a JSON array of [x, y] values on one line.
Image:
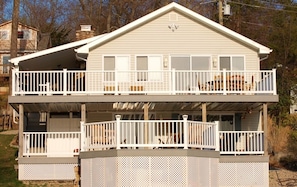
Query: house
[[27, 43], [171, 99]]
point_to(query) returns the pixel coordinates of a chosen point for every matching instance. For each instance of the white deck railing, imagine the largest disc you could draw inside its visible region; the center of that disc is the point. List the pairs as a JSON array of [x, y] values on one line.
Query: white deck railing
[[169, 82], [143, 134], [51, 144], [241, 142], [151, 134]]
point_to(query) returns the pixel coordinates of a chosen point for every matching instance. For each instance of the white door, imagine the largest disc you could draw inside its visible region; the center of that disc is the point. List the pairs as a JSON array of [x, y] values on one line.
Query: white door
[[154, 65], [122, 66]]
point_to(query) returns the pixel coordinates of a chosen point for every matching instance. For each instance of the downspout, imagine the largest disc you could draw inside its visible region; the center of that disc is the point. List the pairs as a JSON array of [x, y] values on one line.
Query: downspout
[[264, 58], [80, 58]]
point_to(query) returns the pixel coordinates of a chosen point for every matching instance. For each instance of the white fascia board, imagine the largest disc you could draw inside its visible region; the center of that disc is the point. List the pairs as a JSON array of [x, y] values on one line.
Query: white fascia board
[[16, 60]]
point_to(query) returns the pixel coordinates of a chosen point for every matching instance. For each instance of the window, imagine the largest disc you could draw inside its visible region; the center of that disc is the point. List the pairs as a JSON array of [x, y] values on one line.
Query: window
[[24, 34], [4, 35], [232, 63], [5, 65], [149, 68], [190, 62], [188, 67], [119, 63]]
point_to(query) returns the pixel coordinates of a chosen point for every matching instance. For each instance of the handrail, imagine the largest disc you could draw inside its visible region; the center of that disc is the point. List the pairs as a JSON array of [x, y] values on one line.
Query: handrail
[[143, 82]]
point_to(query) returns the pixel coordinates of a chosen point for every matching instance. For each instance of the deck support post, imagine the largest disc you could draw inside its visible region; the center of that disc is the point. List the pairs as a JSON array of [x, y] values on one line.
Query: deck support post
[[204, 118], [83, 112], [265, 129], [21, 130], [145, 117], [118, 130], [186, 133]]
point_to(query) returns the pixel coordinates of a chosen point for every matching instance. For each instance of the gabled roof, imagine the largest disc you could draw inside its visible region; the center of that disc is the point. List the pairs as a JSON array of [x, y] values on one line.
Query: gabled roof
[[176, 7], [8, 22]]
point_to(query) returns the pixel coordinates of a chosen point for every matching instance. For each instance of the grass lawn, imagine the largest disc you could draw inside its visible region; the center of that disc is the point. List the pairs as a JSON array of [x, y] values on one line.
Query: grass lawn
[[8, 175]]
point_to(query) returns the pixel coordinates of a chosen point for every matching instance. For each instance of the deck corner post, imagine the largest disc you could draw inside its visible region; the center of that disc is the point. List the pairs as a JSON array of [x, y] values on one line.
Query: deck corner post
[[82, 133], [173, 81], [274, 82], [186, 134], [118, 127], [65, 81], [224, 82], [217, 137], [116, 84], [13, 81]]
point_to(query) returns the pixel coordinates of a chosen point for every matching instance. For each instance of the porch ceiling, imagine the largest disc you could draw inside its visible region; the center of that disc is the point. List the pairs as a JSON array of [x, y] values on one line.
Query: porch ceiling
[[131, 103], [139, 106]]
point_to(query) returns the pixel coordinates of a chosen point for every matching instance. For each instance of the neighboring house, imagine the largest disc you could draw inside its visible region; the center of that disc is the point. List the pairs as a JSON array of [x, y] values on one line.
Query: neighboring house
[[27, 43], [171, 99]]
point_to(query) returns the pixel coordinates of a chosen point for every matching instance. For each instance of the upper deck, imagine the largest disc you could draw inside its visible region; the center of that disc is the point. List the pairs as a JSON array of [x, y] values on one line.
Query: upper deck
[[166, 82]]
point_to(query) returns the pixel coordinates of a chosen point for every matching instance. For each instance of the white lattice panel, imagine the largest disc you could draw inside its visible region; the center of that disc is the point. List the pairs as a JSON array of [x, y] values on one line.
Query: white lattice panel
[[149, 171], [46, 171], [244, 174]]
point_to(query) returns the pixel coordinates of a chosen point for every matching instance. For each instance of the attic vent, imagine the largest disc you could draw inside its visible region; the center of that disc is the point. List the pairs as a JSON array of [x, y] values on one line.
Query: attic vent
[[85, 27], [173, 17]]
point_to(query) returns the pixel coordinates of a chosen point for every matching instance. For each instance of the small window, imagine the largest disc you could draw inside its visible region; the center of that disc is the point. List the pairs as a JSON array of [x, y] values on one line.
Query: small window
[[4, 35], [5, 64], [20, 34], [24, 34]]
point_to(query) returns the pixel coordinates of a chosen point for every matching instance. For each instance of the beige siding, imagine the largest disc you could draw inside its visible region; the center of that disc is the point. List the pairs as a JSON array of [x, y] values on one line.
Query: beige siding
[[64, 125], [95, 117], [22, 44], [190, 38], [251, 122]]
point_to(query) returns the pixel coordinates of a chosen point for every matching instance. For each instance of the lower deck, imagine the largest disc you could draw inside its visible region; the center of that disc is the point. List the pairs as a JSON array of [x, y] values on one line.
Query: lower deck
[[147, 167]]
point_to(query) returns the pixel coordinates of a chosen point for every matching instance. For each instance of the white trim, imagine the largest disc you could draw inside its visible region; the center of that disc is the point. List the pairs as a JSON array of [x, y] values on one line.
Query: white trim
[[174, 6], [231, 56]]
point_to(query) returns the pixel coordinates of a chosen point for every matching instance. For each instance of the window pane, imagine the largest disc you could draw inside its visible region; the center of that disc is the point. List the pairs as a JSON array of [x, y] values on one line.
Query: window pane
[[6, 64], [225, 63], [237, 63], [4, 35], [180, 63], [27, 35], [20, 34], [200, 63], [142, 67], [109, 66]]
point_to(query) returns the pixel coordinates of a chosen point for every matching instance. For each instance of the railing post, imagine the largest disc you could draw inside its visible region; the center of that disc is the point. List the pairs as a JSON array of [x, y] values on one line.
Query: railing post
[[64, 81], [173, 82], [217, 136], [224, 81], [118, 129], [186, 134], [82, 137], [274, 81], [116, 82], [13, 86]]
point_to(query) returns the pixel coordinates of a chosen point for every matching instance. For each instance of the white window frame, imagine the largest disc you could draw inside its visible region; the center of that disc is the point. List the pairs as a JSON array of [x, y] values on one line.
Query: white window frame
[[191, 60], [6, 67], [231, 61], [4, 36], [151, 76], [116, 68]]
